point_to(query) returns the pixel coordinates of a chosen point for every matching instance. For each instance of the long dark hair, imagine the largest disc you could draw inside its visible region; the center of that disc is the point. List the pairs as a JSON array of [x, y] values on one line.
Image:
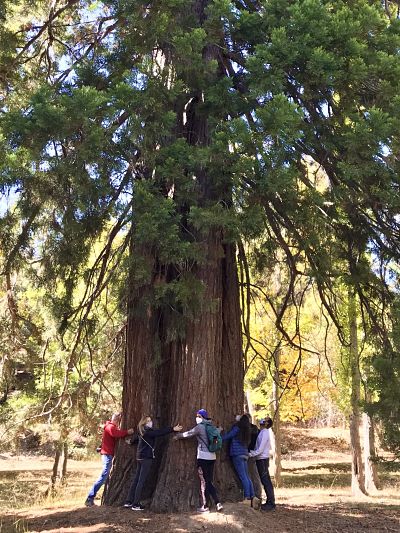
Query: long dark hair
[[244, 430]]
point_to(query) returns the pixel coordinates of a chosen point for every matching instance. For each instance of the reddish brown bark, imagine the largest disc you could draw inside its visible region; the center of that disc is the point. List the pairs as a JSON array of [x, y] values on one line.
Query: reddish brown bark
[[202, 370]]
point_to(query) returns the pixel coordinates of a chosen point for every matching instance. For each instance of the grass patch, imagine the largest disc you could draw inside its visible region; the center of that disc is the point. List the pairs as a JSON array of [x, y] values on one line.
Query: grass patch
[[24, 487]]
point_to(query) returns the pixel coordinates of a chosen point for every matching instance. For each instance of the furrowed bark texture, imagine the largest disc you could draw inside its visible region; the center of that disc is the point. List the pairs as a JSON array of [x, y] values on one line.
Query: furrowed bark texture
[[203, 370]]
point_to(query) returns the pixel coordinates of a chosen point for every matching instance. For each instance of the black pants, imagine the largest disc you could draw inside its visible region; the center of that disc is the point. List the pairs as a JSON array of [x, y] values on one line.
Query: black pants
[[142, 471], [263, 472], [205, 469]]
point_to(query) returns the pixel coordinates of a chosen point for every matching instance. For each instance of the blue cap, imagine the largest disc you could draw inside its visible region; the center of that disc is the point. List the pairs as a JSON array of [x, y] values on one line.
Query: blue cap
[[203, 413]]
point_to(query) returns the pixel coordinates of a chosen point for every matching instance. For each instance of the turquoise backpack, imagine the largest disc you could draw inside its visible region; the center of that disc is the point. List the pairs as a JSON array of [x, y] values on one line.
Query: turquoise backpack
[[214, 438]]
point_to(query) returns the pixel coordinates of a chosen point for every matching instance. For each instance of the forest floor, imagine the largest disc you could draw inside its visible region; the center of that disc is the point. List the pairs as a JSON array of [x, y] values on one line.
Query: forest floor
[[315, 497]]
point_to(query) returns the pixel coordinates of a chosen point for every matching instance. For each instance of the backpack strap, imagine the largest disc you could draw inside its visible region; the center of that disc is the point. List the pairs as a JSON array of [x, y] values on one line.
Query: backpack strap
[[201, 436], [152, 449]]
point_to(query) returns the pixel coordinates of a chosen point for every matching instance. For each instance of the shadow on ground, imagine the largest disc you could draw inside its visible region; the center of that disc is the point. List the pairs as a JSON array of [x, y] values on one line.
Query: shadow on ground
[[235, 518]]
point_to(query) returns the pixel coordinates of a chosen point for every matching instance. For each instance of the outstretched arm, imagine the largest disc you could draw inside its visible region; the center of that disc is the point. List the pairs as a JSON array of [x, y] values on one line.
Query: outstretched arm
[[187, 434], [154, 433], [232, 433], [162, 431], [116, 432]]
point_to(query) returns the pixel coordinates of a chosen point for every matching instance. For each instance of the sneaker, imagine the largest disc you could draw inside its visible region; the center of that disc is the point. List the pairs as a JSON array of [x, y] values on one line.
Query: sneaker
[[219, 507], [137, 507], [268, 507], [203, 509], [256, 503], [89, 502], [127, 505]]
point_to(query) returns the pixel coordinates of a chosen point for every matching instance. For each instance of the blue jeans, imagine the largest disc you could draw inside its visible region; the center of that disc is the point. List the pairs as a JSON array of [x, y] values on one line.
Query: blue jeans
[[107, 462], [240, 464]]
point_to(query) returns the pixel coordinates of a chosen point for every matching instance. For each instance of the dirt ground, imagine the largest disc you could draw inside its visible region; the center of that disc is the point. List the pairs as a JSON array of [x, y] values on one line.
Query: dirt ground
[[315, 497], [235, 518]]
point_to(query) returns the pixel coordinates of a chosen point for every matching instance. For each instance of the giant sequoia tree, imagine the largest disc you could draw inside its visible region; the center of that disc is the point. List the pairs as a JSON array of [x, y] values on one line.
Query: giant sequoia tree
[[175, 128]]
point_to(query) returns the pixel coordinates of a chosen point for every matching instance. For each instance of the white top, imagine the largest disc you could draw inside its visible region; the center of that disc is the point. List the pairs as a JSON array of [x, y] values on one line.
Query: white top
[[263, 445]]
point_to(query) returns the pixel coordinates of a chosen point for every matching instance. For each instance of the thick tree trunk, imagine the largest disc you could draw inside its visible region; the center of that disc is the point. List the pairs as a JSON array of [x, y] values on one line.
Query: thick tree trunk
[[277, 463], [203, 369], [141, 371], [357, 473]]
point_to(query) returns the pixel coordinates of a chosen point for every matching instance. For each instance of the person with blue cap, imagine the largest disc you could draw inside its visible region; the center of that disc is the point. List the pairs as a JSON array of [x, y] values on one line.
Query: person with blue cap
[[205, 460], [261, 454]]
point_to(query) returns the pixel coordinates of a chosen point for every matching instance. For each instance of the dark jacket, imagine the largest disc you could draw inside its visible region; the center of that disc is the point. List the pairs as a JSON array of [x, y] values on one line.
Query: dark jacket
[[146, 443], [237, 447], [254, 434]]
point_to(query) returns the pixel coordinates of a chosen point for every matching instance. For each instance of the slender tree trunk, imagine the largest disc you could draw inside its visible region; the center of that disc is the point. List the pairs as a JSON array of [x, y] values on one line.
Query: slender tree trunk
[[249, 407], [64, 463], [277, 464], [54, 474], [61, 451], [357, 473], [371, 474]]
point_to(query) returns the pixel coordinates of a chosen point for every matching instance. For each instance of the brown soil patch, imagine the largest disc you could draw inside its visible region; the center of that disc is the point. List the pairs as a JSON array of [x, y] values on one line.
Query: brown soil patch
[[315, 443], [234, 518]]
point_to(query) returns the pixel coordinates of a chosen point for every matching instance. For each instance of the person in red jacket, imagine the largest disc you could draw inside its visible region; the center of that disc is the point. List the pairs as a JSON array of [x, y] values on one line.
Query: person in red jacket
[[111, 433]]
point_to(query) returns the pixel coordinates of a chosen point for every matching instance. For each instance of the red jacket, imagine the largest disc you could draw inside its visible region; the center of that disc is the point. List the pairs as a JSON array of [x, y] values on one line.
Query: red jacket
[[111, 432]]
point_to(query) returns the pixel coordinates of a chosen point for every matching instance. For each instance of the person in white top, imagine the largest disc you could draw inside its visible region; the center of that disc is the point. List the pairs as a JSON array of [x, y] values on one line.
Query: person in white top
[[261, 454]]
